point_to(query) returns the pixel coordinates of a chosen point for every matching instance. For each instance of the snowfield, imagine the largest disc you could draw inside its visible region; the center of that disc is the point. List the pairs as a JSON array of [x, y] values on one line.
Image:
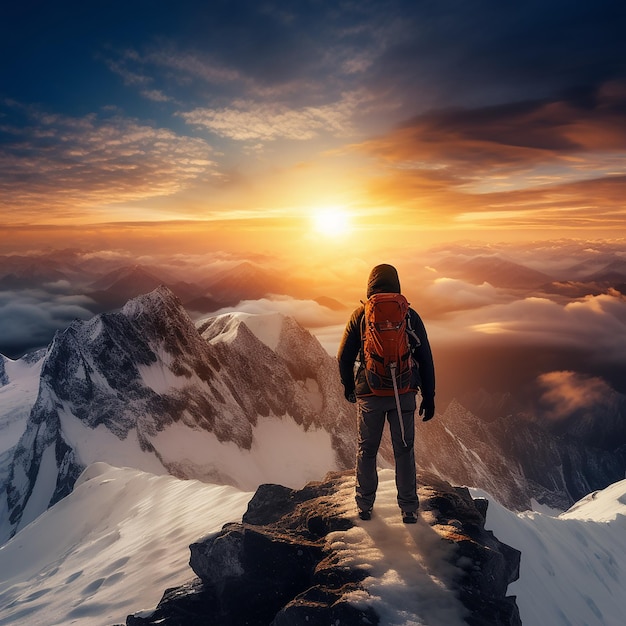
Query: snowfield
[[121, 538], [573, 567], [110, 548]]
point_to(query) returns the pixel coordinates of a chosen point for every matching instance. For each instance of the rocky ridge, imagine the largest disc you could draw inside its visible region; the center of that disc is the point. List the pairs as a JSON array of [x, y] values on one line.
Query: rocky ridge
[[278, 566], [515, 458]]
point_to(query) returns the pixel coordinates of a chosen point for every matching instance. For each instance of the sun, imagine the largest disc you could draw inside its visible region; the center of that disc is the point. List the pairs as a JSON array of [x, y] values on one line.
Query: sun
[[331, 221]]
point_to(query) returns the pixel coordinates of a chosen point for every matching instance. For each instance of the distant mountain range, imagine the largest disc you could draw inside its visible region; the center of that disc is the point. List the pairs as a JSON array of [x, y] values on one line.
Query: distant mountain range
[[505, 273], [112, 282], [147, 388]]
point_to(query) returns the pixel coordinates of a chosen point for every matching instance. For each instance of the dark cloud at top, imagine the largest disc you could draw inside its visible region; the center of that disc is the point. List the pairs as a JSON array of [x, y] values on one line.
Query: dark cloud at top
[[470, 54], [512, 134], [453, 53]]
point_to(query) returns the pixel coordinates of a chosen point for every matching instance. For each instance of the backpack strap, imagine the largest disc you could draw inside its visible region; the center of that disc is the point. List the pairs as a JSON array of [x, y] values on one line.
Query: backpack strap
[[411, 332]]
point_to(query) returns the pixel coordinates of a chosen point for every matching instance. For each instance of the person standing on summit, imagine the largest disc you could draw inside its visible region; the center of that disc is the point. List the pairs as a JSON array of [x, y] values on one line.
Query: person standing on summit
[[384, 387]]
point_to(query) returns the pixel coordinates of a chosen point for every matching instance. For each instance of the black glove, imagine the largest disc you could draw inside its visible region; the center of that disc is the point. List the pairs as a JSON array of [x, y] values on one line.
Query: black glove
[[349, 395], [427, 409]]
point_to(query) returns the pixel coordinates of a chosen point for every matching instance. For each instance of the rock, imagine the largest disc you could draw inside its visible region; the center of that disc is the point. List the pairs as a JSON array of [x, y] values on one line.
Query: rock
[[276, 567]]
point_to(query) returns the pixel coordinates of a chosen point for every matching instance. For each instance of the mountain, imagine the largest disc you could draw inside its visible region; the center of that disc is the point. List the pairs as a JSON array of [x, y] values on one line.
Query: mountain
[[30, 276], [23, 272], [306, 540], [518, 458], [142, 388], [112, 290], [241, 400], [131, 277], [247, 281], [330, 303], [573, 567], [122, 536], [19, 385], [146, 388], [107, 549], [613, 272], [494, 270]]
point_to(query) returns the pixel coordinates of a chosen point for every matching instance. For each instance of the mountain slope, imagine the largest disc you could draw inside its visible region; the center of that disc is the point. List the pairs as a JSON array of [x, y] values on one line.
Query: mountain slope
[[141, 388], [494, 270], [108, 548], [328, 567], [19, 384], [122, 536], [515, 458], [573, 567]]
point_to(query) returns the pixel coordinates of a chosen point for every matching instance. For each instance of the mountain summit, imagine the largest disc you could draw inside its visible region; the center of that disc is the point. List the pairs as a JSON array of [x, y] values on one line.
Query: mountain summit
[[142, 388]]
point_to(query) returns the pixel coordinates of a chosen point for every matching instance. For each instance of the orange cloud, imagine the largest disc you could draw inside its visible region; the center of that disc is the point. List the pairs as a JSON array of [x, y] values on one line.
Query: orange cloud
[[74, 167], [537, 164]]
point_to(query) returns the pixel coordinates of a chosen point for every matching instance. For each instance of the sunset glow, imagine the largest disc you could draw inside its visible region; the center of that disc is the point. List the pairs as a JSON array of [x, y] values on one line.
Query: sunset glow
[[193, 119], [298, 144], [331, 221]]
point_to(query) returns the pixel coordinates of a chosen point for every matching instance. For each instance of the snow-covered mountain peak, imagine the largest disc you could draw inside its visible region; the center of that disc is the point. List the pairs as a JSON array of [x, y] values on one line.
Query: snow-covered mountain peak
[[267, 327], [160, 302], [142, 388], [605, 505], [13, 370]]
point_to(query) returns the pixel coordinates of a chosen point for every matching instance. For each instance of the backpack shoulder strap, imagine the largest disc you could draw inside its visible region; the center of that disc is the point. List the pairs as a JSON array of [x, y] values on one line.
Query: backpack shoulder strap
[[410, 331]]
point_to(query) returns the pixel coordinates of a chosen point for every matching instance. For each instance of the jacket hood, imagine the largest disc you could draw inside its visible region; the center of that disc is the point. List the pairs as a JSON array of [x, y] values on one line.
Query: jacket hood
[[383, 279]]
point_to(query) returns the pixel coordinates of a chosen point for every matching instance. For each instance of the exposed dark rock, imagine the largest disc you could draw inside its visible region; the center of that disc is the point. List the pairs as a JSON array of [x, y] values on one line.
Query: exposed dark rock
[[276, 568], [515, 458], [488, 566]]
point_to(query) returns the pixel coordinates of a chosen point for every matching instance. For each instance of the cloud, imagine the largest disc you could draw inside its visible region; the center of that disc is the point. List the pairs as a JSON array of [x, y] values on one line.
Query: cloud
[[512, 137], [566, 393], [450, 294], [583, 406], [308, 313], [156, 95], [472, 54], [71, 164], [595, 325], [247, 120], [28, 319], [541, 162], [190, 64]]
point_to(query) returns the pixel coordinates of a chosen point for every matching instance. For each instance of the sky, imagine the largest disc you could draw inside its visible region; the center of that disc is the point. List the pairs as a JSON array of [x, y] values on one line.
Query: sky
[[310, 128], [571, 569]]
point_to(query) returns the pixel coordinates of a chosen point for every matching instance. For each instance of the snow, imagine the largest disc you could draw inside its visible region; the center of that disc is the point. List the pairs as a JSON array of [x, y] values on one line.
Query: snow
[[409, 577], [121, 538], [43, 488], [266, 327], [159, 377], [95, 444], [281, 452], [110, 548], [573, 567], [17, 399]]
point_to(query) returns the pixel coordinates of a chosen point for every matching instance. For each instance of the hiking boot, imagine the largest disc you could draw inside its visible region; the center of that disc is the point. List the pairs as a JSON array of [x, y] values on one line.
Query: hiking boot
[[366, 515], [409, 517]]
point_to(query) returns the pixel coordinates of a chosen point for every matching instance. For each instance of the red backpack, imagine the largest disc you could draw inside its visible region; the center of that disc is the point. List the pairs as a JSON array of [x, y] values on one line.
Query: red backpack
[[386, 349]]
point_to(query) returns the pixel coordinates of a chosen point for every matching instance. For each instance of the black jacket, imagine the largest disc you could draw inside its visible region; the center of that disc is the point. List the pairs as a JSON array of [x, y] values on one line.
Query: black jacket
[[350, 348], [384, 279]]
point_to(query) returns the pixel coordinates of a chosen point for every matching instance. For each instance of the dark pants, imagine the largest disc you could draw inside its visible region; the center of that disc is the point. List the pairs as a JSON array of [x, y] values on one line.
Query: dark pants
[[371, 414]]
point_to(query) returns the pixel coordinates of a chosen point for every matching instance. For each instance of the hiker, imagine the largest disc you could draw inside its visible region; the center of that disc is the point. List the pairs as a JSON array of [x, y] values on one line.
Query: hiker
[[375, 406]]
